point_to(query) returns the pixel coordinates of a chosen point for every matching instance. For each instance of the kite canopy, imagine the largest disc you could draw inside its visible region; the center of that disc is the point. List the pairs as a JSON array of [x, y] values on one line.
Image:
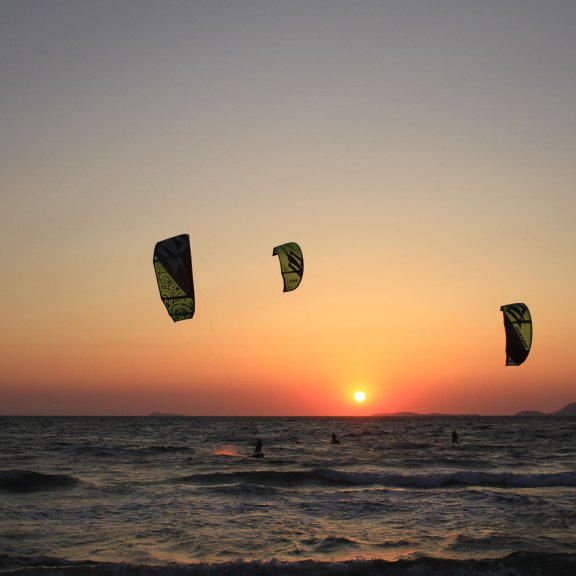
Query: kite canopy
[[291, 264], [173, 267], [518, 326]]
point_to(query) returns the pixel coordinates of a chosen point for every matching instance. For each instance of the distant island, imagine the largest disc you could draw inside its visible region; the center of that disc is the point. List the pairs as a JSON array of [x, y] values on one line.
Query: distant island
[[568, 410], [415, 414]]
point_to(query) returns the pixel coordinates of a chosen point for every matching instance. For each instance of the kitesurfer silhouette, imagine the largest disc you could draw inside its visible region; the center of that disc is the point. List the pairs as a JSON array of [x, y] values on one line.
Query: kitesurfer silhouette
[[335, 439], [258, 449], [454, 437]]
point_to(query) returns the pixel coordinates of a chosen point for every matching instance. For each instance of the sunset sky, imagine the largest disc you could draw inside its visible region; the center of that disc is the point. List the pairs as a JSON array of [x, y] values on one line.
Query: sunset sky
[[422, 153]]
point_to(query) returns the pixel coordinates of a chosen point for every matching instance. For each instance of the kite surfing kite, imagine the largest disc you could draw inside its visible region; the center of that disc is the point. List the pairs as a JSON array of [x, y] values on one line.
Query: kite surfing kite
[[291, 264], [518, 326], [173, 267]]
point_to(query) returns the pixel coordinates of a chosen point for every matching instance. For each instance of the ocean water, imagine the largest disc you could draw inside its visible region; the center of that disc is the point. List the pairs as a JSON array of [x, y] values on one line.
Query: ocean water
[[182, 496]]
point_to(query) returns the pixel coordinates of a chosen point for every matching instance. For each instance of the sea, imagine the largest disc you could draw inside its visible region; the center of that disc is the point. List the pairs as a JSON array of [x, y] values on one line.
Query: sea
[[176, 496]]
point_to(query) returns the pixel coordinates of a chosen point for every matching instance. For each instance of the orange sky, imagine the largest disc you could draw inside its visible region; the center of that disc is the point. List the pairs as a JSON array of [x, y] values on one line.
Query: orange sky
[[425, 167]]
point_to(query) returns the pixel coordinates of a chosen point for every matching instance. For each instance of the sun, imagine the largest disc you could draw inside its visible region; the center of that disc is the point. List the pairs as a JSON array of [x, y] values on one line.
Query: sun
[[359, 396]]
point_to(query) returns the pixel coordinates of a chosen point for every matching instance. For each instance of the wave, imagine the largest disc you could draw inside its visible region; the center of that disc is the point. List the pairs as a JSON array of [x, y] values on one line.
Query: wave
[[525, 563], [246, 489], [162, 448], [123, 452], [330, 544], [267, 477], [30, 481], [397, 480], [457, 478]]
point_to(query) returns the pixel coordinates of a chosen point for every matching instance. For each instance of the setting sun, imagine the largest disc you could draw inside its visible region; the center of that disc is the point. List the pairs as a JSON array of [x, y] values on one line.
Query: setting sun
[[359, 396]]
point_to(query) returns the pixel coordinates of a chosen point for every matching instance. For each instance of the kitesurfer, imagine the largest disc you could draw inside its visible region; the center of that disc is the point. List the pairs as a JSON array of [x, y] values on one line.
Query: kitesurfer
[[454, 438], [258, 449], [335, 439]]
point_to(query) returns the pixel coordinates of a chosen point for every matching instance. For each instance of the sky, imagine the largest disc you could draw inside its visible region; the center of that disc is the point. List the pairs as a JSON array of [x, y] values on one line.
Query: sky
[[421, 152]]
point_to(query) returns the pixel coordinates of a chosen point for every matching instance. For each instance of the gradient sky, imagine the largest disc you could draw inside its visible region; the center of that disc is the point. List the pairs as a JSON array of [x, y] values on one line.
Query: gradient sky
[[422, 153]]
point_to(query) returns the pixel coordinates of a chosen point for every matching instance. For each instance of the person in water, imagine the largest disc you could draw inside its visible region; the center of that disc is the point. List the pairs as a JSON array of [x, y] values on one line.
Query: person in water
[[258, 448], [335, 439], [454, 438]]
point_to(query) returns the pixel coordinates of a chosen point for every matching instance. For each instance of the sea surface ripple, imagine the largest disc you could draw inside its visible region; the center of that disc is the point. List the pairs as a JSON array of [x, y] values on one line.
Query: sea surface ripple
[[184, 495]]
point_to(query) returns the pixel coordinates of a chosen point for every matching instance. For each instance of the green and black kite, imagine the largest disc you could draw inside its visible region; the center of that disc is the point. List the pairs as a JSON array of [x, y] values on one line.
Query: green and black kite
[[518, 326], [291, 264], [173, 267]]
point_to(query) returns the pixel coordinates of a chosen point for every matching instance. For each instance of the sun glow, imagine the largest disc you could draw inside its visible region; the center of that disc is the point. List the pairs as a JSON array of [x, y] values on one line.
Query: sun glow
[[359, 396]]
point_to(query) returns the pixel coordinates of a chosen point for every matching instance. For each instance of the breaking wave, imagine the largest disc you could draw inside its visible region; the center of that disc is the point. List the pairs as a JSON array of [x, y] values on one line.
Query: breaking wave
[[424, 480]]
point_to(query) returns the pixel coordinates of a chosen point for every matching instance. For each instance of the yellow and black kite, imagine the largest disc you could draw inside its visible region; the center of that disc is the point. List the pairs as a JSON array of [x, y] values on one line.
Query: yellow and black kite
[[173, 267], [518, 326], [291, 264]]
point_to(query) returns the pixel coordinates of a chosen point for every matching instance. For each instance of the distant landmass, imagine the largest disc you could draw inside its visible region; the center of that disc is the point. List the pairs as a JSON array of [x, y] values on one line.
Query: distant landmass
[[414, 414], [568, 410]]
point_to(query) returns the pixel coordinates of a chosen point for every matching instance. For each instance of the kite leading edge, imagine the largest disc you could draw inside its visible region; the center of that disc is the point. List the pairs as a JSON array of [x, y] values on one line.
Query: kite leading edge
[[173, 267], [518, 326], [291, 264]]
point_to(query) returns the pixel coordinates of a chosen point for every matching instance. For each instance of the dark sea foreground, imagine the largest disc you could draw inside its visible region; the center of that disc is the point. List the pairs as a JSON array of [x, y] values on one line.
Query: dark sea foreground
[[183, 495], [521, 563]]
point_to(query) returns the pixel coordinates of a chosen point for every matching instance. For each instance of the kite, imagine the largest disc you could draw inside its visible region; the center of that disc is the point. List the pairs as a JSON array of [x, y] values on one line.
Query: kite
[[173, 267], [518, 326], [291, 264]]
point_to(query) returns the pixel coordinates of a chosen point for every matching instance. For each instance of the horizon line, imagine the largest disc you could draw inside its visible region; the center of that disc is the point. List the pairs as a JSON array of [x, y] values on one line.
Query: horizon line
[[526, 413]]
